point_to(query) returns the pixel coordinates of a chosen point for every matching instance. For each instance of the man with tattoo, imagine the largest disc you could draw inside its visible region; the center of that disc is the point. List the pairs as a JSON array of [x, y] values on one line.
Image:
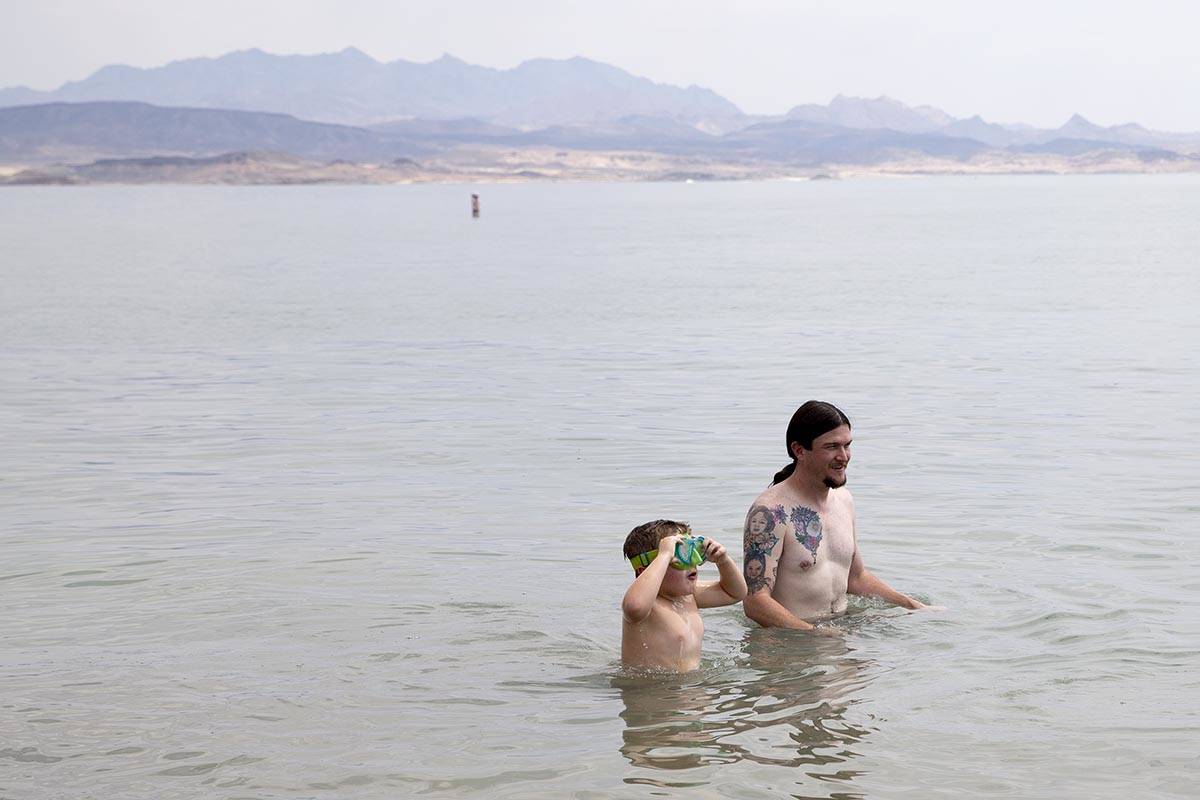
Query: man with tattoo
[[801, 547], [661, 626]]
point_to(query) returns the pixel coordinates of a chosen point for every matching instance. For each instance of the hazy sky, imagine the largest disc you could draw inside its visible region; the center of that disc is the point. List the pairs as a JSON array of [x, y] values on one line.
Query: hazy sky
[[1016, 61]]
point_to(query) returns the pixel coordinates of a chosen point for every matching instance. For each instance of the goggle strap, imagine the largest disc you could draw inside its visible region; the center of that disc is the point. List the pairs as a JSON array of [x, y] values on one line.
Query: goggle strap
[[642, 560]]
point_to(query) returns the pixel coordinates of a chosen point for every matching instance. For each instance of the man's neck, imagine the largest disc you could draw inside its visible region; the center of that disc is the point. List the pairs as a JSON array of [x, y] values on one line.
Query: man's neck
[[815, 491]]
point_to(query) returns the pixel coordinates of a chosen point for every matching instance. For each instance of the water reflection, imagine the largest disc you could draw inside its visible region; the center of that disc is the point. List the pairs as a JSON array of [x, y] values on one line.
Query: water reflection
[[784, 702]]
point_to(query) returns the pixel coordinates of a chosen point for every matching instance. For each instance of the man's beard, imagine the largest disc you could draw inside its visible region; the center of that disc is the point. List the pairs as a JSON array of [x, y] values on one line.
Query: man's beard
[[834, 484]]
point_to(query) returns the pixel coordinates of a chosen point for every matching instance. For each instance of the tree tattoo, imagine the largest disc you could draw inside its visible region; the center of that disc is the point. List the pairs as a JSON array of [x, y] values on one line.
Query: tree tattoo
[[758, 542], [807, 526]]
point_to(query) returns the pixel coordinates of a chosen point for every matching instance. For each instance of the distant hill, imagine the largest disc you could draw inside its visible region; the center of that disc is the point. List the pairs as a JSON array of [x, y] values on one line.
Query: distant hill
[[84, 131], [255, 118], [227, 168], [884, 113], [801, 142], [976, 128], [78, 132], [866, 114], [574, 102], [350, 87]]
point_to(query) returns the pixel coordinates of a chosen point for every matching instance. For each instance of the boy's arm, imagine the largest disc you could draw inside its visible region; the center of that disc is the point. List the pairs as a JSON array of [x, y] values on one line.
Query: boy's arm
[[730, 588], [639, 597]]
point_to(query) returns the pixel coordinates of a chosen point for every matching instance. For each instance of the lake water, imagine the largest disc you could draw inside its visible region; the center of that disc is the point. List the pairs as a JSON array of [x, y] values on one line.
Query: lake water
[[319, 492]]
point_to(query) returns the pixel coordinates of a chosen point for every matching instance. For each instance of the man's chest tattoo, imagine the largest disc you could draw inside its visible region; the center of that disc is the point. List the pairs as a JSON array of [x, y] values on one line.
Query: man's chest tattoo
[[807, 526], [761, 538]]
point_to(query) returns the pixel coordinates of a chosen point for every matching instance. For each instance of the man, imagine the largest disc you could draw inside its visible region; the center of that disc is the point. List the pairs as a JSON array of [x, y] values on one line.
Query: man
[[801, 548]]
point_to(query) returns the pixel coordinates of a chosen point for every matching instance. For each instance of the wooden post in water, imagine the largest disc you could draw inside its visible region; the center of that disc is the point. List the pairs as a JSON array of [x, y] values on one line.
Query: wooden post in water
[[475, 206]]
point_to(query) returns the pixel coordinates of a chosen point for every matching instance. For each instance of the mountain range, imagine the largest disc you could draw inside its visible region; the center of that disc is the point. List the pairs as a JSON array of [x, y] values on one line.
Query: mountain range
[[348, 106], [350, 87]]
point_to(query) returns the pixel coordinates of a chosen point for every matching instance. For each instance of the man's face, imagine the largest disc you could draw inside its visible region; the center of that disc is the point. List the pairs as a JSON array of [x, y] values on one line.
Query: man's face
[[829, 457]]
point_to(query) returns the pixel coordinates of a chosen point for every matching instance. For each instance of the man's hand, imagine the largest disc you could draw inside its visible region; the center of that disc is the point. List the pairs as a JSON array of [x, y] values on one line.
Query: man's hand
[[924, 607]]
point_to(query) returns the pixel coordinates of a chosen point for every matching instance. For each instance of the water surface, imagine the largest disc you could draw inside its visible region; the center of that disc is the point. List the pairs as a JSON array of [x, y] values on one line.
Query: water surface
[[318, 492]]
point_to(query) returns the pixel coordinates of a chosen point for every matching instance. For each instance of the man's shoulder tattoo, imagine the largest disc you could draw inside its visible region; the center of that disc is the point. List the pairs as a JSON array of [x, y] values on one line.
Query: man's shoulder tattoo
[[760, 529], [758, 542]]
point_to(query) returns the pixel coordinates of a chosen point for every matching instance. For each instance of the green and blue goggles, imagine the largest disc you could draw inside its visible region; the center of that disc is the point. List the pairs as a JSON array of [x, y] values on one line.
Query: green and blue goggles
[[689, 553]]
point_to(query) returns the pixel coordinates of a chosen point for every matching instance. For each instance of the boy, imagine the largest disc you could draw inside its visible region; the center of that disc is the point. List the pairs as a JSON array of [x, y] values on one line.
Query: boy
[[661, 624]]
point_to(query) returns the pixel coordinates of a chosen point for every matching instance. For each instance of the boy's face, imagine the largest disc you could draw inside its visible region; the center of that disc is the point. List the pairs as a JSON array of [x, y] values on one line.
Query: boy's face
[[678, 582]]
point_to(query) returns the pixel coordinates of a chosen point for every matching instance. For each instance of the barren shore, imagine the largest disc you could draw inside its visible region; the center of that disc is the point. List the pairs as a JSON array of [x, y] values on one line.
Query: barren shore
[[497, 165]]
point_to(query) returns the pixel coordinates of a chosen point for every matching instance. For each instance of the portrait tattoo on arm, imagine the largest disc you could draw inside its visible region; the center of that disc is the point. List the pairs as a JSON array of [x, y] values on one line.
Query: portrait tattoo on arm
[[759, 541], [757, 577]]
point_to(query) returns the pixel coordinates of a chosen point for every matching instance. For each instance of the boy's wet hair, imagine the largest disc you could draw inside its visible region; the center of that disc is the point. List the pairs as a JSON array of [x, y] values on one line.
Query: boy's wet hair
[[645, 538]]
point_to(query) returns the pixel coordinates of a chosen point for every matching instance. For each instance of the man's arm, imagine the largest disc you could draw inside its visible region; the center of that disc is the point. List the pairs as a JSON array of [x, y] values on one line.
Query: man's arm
[[730, 588], [639, 597], [761, 552], [863, 582]]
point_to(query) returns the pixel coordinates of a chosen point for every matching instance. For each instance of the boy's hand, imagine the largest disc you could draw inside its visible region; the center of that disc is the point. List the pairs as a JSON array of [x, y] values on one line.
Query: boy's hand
[[714, 551], [666, 545]]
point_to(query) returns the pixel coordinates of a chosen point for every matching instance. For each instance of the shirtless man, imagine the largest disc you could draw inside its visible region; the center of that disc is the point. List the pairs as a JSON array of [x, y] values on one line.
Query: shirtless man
[[801, 554], [661, 626]]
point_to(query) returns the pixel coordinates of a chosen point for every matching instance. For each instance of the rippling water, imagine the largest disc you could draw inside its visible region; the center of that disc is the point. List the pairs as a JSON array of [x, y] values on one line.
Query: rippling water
[[320, 492]]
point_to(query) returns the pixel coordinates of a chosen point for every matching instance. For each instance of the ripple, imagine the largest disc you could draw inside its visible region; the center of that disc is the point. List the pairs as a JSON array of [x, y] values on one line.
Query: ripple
[[28, 755], [17, 575]]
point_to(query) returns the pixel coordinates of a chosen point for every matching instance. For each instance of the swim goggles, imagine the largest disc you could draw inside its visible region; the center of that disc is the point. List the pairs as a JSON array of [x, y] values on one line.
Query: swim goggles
[[689, 553]]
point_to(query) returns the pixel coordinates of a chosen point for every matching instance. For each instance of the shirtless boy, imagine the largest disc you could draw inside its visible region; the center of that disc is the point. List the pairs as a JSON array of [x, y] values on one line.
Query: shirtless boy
[[801, 547], [661, 625]]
